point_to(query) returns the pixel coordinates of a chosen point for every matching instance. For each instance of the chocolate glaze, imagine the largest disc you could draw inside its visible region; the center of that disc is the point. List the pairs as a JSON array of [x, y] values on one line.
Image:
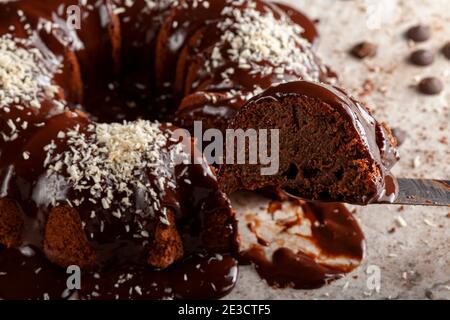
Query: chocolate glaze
[[244, 80], [197, 277], [91, 63], [289, 269], [214, 110], [310, 31], [334, 231], [97, 34], [190, 200], [261, 241], [70, 49], [382, 149], [182, 21], [192, 77], [194, 201]]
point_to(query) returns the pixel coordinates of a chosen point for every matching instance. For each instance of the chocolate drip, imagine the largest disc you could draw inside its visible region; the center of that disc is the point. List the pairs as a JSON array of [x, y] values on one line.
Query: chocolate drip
[[334, 231], [202, 214], [242, 81]]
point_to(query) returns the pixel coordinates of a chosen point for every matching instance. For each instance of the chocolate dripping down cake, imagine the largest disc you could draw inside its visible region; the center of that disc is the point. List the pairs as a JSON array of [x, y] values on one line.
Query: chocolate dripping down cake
[[88, 161]]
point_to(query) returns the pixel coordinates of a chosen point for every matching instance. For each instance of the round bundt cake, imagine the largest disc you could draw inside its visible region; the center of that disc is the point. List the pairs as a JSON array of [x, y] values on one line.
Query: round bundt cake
[[85, 189], [92, 93]]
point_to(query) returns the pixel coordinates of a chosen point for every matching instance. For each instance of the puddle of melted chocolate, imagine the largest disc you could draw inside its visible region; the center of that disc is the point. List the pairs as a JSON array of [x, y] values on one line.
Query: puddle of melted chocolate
[[197, 277], [29, 275], [334, 231]]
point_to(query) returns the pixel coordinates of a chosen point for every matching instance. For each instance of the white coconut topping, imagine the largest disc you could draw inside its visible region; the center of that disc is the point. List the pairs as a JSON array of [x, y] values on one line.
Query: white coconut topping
[[121, 5], [25, 82], [159, 4], [116, 162], [262, 44]]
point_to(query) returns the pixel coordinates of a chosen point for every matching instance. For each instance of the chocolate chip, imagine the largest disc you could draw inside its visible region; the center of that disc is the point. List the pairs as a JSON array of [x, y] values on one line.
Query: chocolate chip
[[364, 50], [431, 86], [422, 57], [419, 33], [446, 50]]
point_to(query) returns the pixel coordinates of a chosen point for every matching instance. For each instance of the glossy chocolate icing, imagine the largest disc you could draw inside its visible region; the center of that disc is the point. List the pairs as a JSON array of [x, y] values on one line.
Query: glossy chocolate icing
[[214, 110], [195, 200], [242, 81], [197, 277], [95, 43], [241, 84], [382, 149], [181, 23]]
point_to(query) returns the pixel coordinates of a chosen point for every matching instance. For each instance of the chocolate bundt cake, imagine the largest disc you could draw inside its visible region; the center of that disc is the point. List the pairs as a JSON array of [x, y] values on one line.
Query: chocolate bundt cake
[[105, 187], [330, 146], [93, 169], [61, 162]]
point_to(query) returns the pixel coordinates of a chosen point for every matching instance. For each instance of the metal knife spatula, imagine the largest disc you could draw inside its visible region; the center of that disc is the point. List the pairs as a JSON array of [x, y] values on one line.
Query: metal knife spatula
[[423, 192]]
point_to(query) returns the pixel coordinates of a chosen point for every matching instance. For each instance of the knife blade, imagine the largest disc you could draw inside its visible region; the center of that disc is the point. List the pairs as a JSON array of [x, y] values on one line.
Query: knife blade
[[417, 192], [424, 192]]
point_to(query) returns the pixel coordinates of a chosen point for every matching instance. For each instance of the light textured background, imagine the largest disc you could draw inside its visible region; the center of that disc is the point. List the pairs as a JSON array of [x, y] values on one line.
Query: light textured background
[[414, 259]]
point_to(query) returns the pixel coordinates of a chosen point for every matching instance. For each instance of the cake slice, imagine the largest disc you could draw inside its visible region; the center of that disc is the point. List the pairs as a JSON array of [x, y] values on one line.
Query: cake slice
[[330, 146]]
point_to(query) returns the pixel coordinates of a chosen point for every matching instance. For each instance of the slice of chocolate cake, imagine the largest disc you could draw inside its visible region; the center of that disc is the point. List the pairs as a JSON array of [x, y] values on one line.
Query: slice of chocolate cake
[[330, 146]]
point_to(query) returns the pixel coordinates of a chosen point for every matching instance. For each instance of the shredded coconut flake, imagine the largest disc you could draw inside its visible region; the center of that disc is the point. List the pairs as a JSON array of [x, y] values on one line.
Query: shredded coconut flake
[[121, 5], [262, 44]]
